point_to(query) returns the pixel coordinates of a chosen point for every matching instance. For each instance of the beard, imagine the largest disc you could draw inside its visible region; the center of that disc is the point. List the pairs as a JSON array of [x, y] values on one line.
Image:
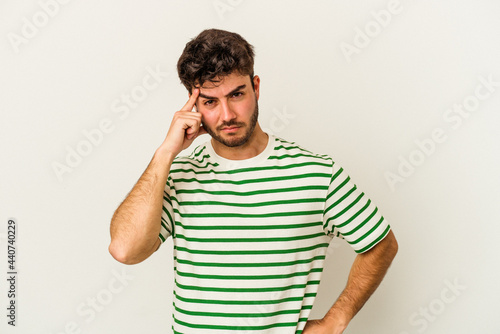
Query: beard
[[234, 140]]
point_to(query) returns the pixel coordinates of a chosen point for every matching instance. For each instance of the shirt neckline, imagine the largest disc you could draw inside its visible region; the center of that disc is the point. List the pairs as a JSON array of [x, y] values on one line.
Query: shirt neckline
[[229, 164]]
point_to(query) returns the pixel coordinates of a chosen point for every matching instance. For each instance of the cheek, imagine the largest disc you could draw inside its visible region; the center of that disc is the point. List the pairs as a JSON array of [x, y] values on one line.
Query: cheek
[[208, 118], [245, 109], [251, 108]]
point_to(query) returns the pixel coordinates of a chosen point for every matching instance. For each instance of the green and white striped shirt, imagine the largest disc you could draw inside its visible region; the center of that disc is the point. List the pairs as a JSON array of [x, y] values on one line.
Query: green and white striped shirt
[[250, 236]]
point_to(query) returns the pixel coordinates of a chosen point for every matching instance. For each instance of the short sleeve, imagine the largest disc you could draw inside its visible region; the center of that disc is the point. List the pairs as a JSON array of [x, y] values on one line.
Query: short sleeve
[[351, 215], [167, 213]]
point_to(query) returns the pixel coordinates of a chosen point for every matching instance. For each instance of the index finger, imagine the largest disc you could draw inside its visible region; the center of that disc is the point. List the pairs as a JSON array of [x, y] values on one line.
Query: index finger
[[192, 100]]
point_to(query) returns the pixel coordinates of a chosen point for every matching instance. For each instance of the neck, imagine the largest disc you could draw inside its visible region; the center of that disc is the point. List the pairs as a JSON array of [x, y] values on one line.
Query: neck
[[253, 147]]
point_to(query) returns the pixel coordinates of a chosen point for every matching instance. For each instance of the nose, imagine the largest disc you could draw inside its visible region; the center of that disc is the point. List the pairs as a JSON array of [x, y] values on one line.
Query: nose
[[227, 113]]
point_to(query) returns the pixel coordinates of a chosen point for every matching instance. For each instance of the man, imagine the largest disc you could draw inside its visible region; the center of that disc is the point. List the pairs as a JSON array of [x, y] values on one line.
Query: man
[[251, 215]]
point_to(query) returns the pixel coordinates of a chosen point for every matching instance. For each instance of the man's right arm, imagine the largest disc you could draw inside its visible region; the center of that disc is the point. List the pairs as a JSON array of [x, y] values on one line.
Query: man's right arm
[[136, 224]]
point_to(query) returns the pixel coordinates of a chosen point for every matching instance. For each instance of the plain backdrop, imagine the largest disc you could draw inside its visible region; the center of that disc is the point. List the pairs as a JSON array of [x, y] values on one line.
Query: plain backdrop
[[405, 95]]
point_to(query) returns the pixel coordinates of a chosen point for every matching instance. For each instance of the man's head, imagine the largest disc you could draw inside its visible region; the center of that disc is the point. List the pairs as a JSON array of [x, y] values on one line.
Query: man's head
[[220, 64], [214, 54]]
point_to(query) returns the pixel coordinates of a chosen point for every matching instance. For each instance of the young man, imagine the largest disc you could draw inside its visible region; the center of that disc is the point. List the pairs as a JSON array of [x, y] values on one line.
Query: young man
[[251, 215]]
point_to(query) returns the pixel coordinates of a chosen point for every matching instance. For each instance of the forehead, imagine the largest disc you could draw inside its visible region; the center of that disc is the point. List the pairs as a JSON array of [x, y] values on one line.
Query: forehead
[[225, 84]]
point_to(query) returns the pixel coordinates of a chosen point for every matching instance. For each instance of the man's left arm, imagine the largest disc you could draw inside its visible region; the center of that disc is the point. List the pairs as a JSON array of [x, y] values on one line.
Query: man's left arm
[[366, 273]]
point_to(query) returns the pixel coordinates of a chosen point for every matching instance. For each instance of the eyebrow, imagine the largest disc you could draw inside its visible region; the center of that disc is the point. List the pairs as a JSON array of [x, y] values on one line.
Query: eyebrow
[[240, 87]]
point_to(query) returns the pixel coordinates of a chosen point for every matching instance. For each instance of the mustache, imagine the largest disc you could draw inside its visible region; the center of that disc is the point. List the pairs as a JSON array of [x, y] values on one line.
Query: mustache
[[230, 123]]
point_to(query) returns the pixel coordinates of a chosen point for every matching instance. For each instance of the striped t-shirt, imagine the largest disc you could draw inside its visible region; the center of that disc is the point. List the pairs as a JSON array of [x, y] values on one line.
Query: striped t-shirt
[[250, 236]]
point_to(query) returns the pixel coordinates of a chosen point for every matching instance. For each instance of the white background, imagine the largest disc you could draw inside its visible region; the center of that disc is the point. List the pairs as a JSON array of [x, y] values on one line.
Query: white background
[[66, 74]]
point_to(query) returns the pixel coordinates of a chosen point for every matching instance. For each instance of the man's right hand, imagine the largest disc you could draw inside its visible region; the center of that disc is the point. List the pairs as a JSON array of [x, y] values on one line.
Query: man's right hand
[[135, 225], [185, 127]]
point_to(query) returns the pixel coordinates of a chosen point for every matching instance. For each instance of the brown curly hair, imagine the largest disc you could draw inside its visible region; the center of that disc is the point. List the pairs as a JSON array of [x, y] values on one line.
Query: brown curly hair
[[214, 54]]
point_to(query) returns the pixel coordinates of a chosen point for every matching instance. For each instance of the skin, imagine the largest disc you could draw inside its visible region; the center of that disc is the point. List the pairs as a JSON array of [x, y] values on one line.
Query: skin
[[366, 273], [134, 226], [227, 110]]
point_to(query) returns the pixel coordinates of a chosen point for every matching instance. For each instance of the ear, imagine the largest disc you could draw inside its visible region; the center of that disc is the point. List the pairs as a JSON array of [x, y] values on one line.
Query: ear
[[256, 85]]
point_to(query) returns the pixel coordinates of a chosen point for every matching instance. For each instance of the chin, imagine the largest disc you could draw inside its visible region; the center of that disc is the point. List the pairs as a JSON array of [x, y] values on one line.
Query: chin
[[232, 140]]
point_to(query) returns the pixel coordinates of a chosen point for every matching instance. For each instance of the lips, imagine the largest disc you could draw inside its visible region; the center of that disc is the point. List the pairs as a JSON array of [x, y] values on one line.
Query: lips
[[230, 129]]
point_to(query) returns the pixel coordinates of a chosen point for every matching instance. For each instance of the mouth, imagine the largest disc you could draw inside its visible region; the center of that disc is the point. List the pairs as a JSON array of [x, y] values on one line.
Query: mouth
[[230, 129]]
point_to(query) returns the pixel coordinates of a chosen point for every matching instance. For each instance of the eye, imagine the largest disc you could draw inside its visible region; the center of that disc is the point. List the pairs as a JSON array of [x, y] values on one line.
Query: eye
[[237, 94], [208, 102]]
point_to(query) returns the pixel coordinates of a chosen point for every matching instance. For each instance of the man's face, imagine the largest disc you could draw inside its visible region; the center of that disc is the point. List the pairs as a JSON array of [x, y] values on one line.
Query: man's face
[[229, 108]]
